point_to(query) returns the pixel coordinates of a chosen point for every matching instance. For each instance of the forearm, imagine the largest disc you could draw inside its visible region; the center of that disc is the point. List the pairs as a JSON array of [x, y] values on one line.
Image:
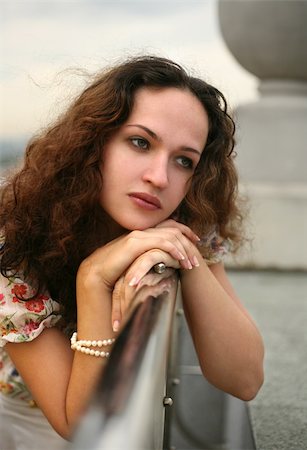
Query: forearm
[[227, 342], [93, 323], [60, 380]]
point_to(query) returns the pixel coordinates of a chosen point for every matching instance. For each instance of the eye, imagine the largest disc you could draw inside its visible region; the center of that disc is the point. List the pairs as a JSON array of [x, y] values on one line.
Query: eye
[[139, 143], [185, 162]]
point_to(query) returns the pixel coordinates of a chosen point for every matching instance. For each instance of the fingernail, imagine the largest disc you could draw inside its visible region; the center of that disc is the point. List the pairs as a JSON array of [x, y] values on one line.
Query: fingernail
[[133, 282], [195, 261], [182, 257], [189, 265], [115, 325]]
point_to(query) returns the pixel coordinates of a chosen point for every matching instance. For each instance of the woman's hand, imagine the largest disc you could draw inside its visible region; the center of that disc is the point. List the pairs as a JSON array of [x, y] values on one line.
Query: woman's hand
[[139, 275], [108, 263], [169, 242], [125, 298], [190, 240]]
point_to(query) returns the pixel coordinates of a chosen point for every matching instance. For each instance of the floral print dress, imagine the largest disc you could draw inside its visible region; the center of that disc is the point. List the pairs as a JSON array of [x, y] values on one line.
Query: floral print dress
[[21, 321]]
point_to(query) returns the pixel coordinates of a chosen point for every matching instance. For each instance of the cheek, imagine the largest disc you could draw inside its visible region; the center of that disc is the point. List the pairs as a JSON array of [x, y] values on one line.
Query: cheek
[[180, 190], [112, 167], [184, 186]]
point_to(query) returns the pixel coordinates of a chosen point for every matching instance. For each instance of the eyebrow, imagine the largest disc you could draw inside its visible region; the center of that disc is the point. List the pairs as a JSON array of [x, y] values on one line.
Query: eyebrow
[[157, 138]]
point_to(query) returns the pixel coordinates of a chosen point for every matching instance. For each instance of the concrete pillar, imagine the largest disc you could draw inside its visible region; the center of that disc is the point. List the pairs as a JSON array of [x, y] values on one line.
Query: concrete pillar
[[269, 39]]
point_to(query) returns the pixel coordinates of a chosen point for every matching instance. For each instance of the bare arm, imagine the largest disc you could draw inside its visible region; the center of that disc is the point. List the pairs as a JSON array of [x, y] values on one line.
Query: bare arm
[[228, 344], [61, 381]]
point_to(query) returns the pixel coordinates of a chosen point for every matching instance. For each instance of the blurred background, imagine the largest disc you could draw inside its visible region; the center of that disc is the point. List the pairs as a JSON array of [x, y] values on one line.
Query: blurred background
[[46, 45], [49, 48]]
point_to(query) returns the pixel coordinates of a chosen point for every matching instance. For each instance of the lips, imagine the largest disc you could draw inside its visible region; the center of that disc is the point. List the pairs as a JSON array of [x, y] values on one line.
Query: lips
[[146, 200]]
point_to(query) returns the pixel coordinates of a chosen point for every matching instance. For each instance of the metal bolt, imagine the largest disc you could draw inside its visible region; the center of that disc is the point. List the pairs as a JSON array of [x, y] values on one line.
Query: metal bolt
[[159, 268], [179, 312], [167, 401], [175, 381]]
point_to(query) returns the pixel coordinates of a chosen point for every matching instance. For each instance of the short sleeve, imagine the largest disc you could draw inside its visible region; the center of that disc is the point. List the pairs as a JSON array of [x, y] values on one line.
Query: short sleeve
[[214, 248], [23, 320]]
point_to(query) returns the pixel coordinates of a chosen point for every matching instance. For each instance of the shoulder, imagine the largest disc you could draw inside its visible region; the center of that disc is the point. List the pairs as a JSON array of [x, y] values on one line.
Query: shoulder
[[22, 320], [214, 247]]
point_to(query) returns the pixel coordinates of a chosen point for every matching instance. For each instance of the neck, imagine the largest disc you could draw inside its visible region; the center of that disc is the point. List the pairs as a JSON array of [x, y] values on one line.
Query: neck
[[113, 230]]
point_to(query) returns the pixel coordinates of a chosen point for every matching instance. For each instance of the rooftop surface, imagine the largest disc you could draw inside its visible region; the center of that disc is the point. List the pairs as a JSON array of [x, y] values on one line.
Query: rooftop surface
[[278, 303], [207, 418]]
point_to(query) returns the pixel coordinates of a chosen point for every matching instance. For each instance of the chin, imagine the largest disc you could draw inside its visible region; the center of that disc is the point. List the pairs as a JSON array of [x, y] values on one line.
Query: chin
[[139, 225]]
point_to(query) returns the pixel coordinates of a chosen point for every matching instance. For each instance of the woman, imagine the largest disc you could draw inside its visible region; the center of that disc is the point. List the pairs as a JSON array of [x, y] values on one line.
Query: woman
[[138, 171]]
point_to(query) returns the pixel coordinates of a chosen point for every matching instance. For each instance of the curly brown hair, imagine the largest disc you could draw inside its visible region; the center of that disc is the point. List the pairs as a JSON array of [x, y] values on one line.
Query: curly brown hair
[[50, 212]]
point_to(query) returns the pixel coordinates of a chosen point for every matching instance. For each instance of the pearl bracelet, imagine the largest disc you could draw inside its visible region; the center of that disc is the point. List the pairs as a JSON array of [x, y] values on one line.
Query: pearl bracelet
[[83, 346]]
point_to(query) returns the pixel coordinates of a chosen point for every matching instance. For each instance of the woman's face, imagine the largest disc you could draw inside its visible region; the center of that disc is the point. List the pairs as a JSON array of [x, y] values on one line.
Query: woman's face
[[149, 161]]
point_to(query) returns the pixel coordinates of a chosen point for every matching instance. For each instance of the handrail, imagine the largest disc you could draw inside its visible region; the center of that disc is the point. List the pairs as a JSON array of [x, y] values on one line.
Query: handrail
[[127, 409]]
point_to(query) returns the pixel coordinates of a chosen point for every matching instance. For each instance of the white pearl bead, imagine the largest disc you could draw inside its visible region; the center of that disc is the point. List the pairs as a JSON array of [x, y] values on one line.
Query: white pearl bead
[[84, 345]]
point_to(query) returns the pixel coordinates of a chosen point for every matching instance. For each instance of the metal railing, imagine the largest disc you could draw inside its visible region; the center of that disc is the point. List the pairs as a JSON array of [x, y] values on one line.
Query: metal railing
[[128, 409]]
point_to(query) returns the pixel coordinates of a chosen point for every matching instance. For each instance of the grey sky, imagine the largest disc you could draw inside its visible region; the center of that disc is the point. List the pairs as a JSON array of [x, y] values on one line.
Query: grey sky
[[40, 39]]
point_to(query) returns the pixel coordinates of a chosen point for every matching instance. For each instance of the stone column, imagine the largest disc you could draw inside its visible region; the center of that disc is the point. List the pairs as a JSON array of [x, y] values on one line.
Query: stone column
[[269, 39]]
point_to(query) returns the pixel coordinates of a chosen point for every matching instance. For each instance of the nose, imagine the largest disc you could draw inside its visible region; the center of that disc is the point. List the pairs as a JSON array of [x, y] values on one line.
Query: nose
[[156, 171]]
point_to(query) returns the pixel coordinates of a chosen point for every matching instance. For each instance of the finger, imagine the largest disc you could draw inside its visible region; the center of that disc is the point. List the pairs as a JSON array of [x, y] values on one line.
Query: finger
[[171, 223], [145, 262], [128, 298], [179, 240], [184, 244], [174, 236], [116, 316], [113, 259], [148, 240]]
